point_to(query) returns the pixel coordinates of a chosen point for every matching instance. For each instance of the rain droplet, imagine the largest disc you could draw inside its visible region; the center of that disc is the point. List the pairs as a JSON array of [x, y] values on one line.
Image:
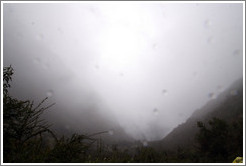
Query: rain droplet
[[236, 52], [181, 114], [92, 9], [45, 65], [49, 93], [212, 96], [97, 66], [145, 143], [20, 35], [40, 36], [155, 111], [194, 74], [111, 132], [164, 91], [36, 61], [121, 74], [60, 30], [33, 23], [220, 88], [210, 39], [164, 14], [234, 92], [154, 46], [207, 23]]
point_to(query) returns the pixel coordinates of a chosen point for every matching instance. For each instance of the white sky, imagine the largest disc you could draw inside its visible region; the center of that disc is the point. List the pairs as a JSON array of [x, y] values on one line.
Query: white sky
[[149, 64]]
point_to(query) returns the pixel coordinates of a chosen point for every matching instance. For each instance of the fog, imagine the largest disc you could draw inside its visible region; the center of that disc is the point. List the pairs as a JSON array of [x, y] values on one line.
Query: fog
[[143, 66]]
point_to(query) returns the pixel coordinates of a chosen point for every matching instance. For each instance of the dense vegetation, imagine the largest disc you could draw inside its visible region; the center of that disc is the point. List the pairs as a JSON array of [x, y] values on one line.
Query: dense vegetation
[[28, 138]]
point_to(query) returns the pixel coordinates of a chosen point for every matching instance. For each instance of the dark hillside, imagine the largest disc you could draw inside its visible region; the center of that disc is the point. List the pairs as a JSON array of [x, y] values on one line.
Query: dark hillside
[[228, 106]]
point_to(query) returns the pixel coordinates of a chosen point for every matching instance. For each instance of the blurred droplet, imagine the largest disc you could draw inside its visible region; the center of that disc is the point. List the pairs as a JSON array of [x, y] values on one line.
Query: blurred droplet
[[121, 74], [92, 9], [164, 92], [97, 66], [45, 66], [212, 96], [155, 111], [49, 93], [220, 88], [145, 143], [20, 35], [36, 61], [207, 23], [210, 39], [33, 23], [60, 30], [236, 52], [181, 114], [194, 74], [40, 36], [154, 46], [111, 132], [164, 14], [234, 92]]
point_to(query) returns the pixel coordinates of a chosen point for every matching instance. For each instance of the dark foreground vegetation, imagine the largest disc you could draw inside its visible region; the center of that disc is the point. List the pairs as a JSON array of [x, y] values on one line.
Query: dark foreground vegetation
[[27, 138]]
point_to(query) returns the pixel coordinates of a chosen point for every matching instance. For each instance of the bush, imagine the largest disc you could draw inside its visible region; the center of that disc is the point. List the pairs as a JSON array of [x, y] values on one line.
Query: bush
[[25, 134], [23, 129]]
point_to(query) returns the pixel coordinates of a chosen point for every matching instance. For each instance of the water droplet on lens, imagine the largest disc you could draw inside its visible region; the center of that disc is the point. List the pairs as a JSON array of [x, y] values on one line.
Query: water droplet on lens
[[20, 35], [40, 36], [121, 74], [97, 66], [236, 52], [164, 91], [92, 9], [220, 88], [155, 111], [234, 92], [49, 93], [45, 66], [154, 46], [36, 61], [210, 39], [181, 114], [33, 23], [60, 30], [111, 132], [145, 143], [207, 23], [212, 96]]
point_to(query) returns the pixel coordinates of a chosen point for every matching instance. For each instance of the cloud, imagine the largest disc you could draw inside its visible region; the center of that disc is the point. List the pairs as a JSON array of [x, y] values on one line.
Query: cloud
[[118, 59]]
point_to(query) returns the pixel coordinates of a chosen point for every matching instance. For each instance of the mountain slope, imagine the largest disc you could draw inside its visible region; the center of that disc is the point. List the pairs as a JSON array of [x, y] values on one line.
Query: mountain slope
[[228, 106]]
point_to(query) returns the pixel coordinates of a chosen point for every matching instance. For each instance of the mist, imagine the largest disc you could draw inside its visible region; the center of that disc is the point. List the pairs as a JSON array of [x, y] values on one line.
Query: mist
[[142, 66]]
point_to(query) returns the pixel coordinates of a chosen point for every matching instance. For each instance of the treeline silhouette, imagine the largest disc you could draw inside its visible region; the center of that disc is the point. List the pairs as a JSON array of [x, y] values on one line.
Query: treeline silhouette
[[27, 138]]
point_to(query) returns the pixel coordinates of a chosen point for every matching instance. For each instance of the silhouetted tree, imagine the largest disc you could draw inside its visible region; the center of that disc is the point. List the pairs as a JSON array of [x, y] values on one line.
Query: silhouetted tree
[[213, 140], [22, 126]]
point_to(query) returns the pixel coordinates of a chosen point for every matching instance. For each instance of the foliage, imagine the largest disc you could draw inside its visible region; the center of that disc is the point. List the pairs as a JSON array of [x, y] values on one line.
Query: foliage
[[72, 149], [25, 134], [219, 142], [23, 128]]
